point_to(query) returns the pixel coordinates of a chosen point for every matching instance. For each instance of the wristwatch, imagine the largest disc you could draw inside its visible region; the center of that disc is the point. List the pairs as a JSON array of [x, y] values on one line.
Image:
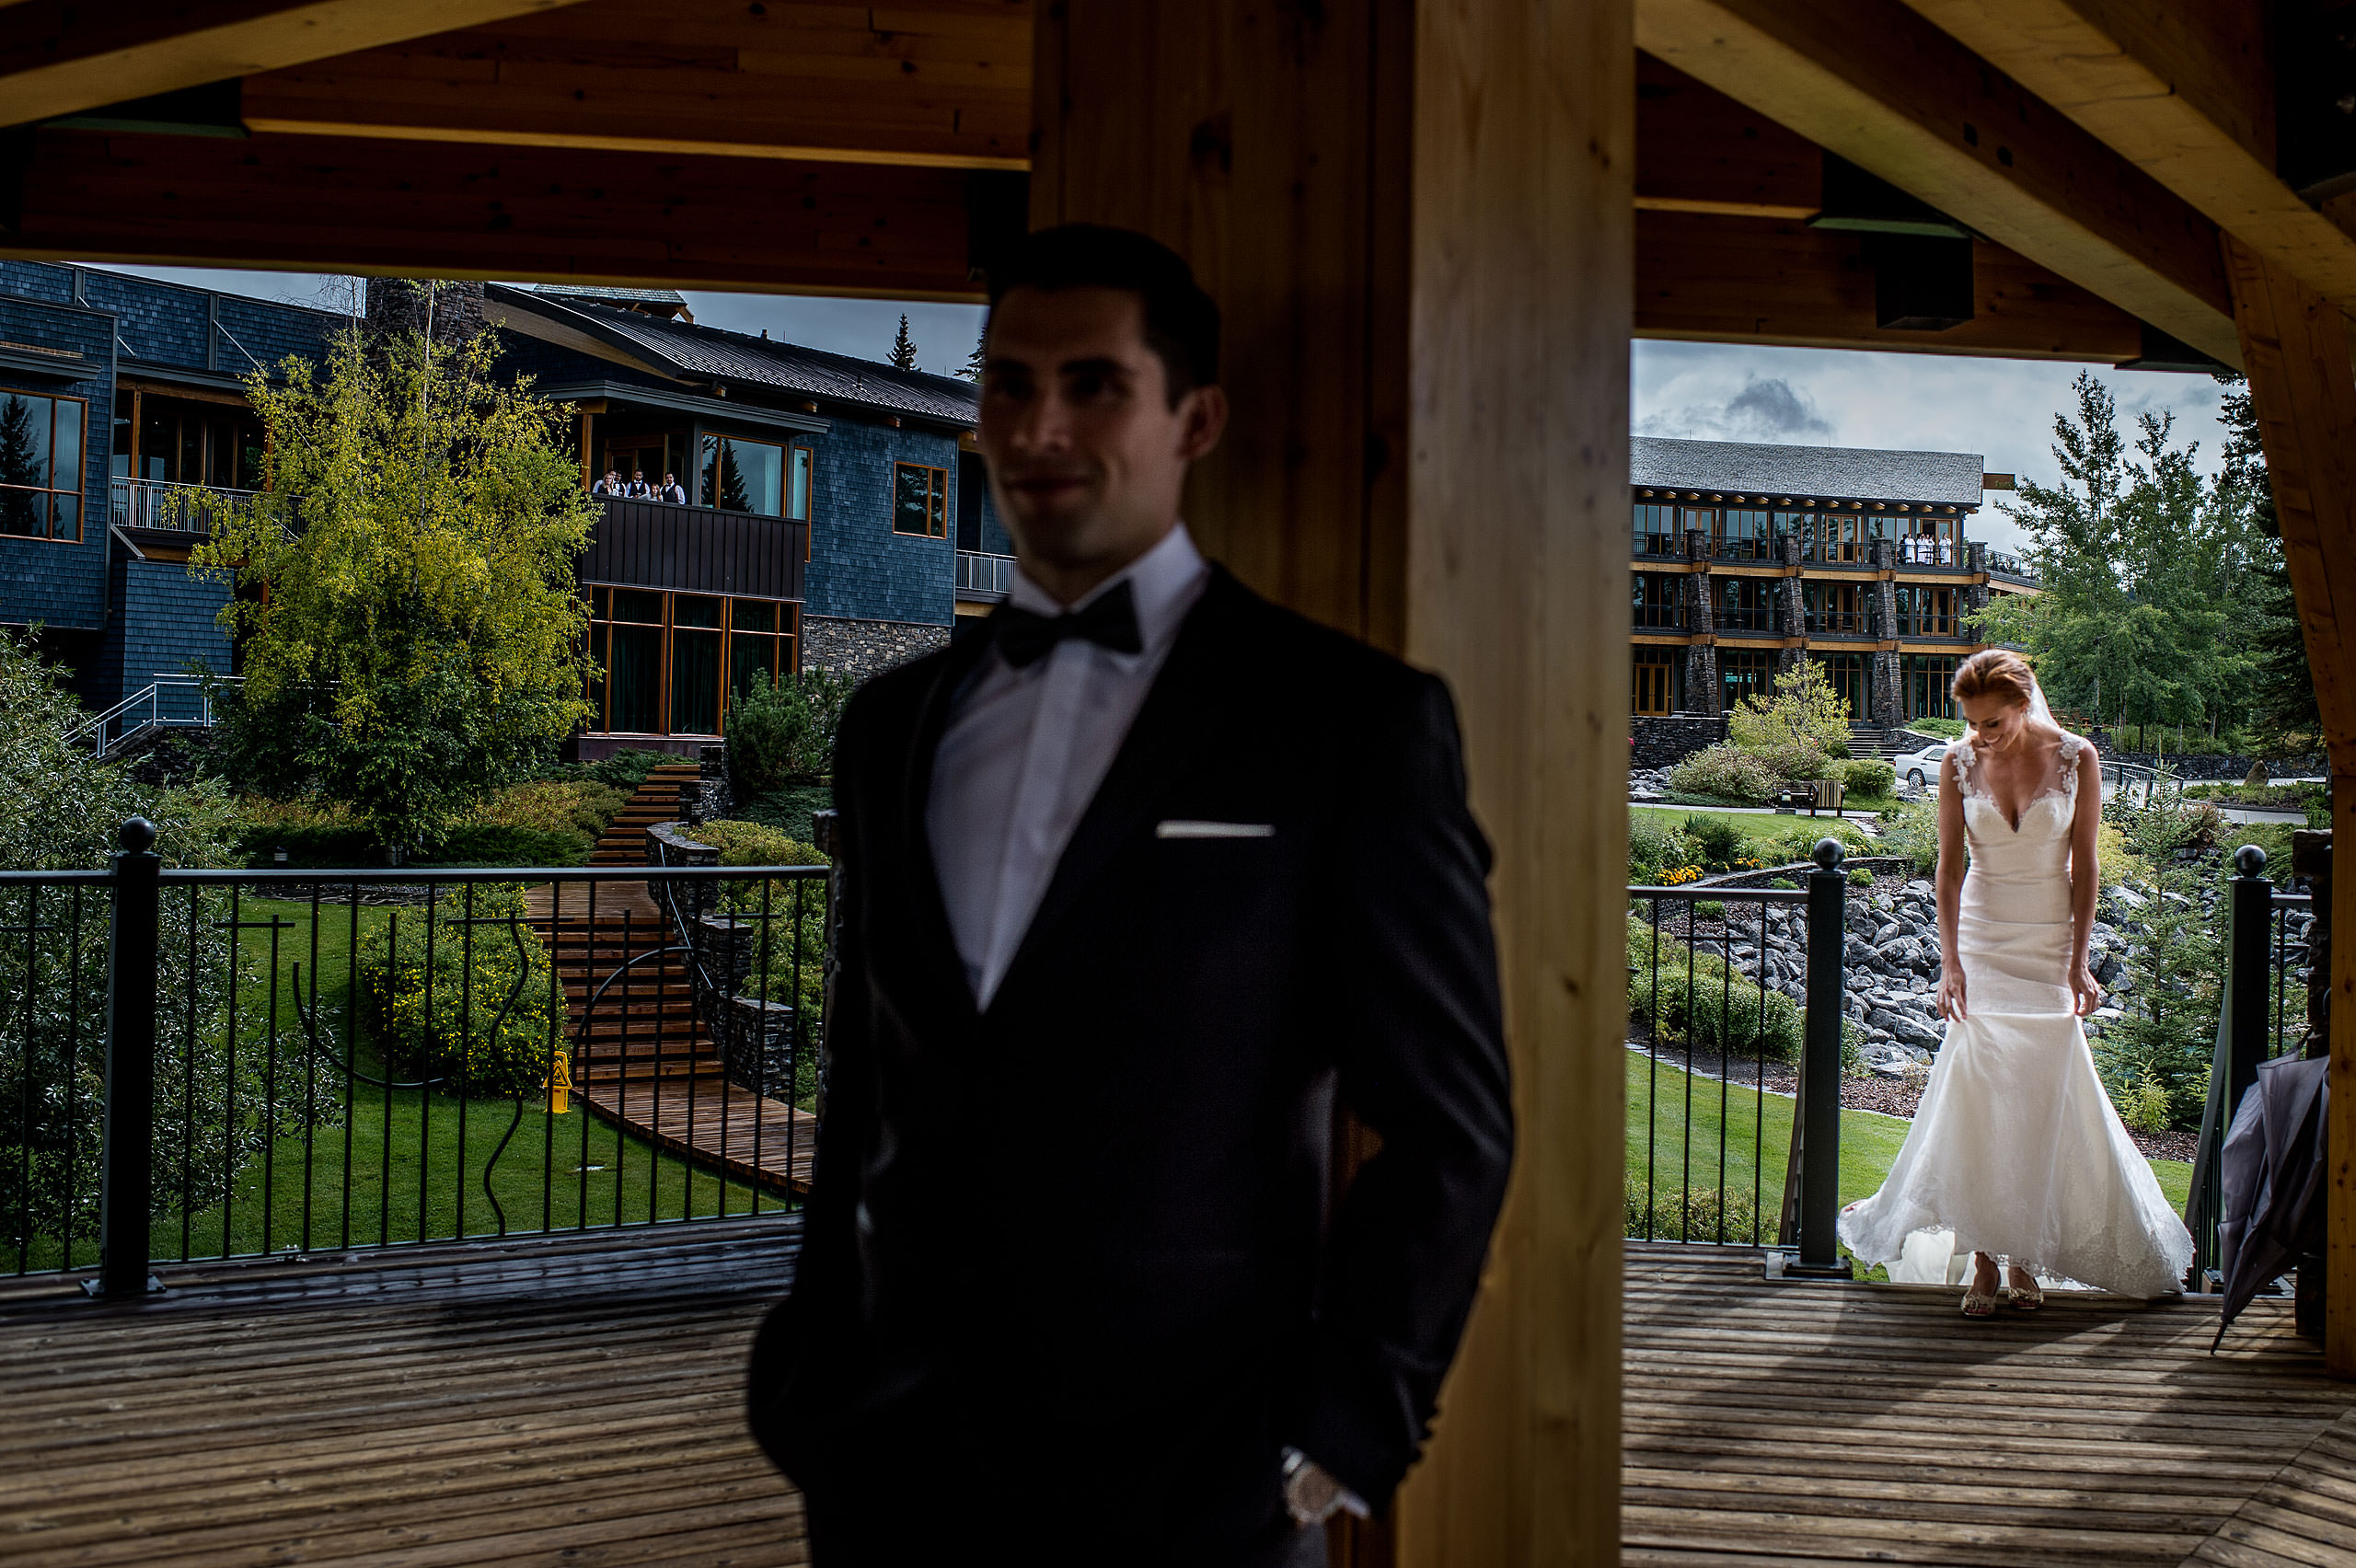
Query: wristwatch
[[1312, 1495]]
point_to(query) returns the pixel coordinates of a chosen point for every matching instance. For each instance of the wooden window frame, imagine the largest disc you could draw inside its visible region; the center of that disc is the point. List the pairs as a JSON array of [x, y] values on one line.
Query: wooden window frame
[[936, 502], [80, 490]]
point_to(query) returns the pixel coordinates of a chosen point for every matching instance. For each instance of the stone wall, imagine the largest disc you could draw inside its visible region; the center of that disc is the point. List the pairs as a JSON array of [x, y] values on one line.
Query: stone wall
[[1663, 741], [863, 647]]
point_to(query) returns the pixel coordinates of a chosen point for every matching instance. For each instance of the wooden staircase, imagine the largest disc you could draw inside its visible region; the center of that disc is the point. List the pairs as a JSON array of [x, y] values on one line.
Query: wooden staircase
[[657, 800], [642, 1057]]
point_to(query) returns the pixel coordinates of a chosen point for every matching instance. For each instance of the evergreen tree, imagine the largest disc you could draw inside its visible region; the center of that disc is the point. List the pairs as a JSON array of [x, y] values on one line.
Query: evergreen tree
[[904, 348], [2282, 689], [975, 361]]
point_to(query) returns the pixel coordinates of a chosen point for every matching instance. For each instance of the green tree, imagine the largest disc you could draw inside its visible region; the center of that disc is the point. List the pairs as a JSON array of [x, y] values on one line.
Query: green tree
[[2281, 692], [976, 361], [406, 604], [2144, 570], [1804, 711], [19, 513], [904, 348]]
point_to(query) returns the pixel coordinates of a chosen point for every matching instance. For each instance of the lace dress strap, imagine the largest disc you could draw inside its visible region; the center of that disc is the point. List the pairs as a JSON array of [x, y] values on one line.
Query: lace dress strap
[[2065, 762], [1966, 757]]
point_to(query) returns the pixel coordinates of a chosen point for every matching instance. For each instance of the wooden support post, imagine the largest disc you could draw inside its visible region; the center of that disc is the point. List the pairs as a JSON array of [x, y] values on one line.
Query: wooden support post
[[1429, 449], [2295, 347]]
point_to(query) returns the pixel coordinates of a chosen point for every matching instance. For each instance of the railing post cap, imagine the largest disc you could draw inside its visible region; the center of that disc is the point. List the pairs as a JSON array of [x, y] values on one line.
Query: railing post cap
[[137, 835], [2249, 860], [1828, 854]]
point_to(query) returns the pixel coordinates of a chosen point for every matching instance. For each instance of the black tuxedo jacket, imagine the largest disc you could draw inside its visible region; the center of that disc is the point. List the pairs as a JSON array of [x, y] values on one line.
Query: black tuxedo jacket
[[1098, 1209]]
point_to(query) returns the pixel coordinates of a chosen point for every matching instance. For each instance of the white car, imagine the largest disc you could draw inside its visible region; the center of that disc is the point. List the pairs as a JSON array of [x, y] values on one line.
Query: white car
[[1920, 769]]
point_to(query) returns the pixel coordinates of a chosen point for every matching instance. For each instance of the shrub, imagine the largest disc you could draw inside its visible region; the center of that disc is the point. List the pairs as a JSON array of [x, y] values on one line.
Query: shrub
[[1725, 773], [477, 1019], [625, 770], [1860, 877], [550, 805], [790, 964], [1796, 763], [2144, 1103], [1912, 828], [1655, 847], [1718, 840], [1944, 729], [1721, 1012], [1709, 909], [1699, 1213], [783, 732], [1868, 777]]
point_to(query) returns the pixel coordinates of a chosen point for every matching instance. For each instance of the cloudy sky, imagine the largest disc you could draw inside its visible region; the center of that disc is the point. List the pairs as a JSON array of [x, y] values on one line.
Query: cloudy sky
[[2001, 408]]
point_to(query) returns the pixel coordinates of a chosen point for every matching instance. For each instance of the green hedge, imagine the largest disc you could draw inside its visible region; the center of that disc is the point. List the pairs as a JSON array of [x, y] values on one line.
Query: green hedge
[[451, 1018]]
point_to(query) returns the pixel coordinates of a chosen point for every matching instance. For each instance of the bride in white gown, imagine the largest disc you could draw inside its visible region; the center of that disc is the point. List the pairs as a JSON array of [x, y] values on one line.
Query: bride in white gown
[[2015, 1151]]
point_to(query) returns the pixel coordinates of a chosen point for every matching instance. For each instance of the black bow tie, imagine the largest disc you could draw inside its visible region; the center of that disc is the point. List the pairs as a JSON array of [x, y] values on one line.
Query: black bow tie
[[1110, 621]]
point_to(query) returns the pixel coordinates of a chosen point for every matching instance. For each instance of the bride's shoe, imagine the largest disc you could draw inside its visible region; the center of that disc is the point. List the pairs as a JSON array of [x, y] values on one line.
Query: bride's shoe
[[2028, 1298], [1978, 1303]]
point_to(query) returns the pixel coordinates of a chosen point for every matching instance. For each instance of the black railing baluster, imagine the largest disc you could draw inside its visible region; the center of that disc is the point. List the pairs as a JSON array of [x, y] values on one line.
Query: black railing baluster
[[1819, 1112], [622, 1082], [70, 1189], [1685, 1138], [465, 1078], [32, 1060], [126, 1201], [1652, 1085], [187, 1087], [550, 1046], [385, 1146], [589, 985], [350, 1047], [229, 1082], [1759, 1097], [426, 1096], [270, 1097]]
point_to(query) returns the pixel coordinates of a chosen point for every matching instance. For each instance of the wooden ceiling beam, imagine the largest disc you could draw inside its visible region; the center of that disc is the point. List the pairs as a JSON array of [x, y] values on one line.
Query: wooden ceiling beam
[[440, 210], [1699, 151], [1719, 279], [945, 83], [65, 56], [1883, 88], [2184, 90]]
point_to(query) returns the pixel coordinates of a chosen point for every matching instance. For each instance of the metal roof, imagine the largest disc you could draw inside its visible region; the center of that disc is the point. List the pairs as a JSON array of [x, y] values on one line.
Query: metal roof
[[684, 351], [1844, 473], [597, 291]]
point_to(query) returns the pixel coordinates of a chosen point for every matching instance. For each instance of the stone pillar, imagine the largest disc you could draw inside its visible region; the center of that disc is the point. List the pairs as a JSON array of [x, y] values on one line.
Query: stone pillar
[[1702, 678], [450, 309]]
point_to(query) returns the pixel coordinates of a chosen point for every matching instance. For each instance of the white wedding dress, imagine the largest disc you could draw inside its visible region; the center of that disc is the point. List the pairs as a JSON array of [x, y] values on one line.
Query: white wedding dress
[[2015, 1150]]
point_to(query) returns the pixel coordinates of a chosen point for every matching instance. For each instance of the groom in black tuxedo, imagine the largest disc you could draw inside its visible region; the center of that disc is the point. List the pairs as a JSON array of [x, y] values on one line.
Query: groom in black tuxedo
[[1138, 879]]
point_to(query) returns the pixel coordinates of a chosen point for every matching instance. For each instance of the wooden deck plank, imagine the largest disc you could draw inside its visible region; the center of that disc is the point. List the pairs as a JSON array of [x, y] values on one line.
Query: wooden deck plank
[[1789, 1424]]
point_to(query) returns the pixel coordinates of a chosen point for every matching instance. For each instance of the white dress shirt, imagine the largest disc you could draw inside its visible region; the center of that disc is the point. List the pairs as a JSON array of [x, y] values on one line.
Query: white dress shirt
[[1026, 750]]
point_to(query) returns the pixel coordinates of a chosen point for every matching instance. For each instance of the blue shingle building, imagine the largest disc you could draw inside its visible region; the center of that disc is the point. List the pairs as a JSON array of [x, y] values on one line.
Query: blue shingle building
[[800, 509]]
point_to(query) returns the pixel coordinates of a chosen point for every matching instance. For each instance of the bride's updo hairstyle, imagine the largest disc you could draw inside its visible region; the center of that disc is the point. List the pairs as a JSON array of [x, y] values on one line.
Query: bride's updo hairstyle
[[1995, 671]]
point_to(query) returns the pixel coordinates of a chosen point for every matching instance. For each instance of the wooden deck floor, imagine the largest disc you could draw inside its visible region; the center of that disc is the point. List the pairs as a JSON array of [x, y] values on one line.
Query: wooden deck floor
[[530, 1404], [1802, 1424], [578, 1401]]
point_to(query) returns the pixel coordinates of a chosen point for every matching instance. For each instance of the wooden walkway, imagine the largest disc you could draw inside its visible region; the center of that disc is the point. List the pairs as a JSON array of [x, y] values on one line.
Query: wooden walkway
[[579, 1400], [573, 1401], [645, 1062], [1780, 1424]]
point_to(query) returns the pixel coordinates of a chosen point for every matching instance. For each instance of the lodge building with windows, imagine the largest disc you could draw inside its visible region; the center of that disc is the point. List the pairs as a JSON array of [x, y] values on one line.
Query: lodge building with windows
[[836, 513], [1745, 559]]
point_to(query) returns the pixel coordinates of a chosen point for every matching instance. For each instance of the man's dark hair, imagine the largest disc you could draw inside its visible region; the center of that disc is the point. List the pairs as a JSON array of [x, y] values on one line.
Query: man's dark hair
[[1181, 321]]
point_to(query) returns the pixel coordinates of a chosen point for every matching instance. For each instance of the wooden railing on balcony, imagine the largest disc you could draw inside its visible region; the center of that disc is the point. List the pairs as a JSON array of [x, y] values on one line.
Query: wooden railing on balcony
[[696, 549]]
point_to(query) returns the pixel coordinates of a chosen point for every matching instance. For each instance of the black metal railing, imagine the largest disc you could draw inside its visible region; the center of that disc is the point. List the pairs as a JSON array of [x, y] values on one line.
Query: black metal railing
[[293, 1060], [2267, 963], [1729, 984]]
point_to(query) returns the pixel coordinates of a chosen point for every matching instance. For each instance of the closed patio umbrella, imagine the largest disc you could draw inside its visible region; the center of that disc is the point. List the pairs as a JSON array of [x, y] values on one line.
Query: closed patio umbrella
[[2272, 1179]]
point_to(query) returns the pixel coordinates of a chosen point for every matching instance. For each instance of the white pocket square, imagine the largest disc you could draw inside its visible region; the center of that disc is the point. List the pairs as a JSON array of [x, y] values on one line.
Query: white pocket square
[[1176, 828]]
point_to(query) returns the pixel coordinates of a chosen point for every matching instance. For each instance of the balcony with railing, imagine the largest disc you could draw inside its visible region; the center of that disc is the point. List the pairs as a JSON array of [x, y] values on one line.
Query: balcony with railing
[[170, 508], [984, 578], [2005, 567]]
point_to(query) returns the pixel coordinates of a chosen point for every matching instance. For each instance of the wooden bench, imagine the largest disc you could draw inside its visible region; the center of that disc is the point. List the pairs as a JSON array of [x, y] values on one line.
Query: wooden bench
[[1812, 793]]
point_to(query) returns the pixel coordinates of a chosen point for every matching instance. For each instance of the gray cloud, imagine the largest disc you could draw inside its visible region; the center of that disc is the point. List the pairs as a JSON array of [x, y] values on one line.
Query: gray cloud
[[1768, 408]]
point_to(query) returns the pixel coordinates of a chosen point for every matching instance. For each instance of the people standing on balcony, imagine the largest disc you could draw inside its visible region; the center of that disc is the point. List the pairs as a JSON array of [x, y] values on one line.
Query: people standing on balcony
[[639, 489], [2015, 1152], [610, 484], [1139, 887], [672, 490]]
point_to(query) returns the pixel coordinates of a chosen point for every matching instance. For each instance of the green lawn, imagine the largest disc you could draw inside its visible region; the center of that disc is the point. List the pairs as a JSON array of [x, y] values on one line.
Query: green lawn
[[1659, 1095], [394, 1164]]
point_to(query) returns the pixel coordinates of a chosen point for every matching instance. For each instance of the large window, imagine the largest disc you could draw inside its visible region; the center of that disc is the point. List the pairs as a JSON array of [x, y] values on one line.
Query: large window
[[1852, 677], [1656, 531], [1925, 612], [1833, 607], [1744, 672], [1746, 534], [1747, 604], [1656, 681], [764, 478], [1659, 601], [1927, 677], [665, 656], [40, 466], [183, 441], [919, 501]]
